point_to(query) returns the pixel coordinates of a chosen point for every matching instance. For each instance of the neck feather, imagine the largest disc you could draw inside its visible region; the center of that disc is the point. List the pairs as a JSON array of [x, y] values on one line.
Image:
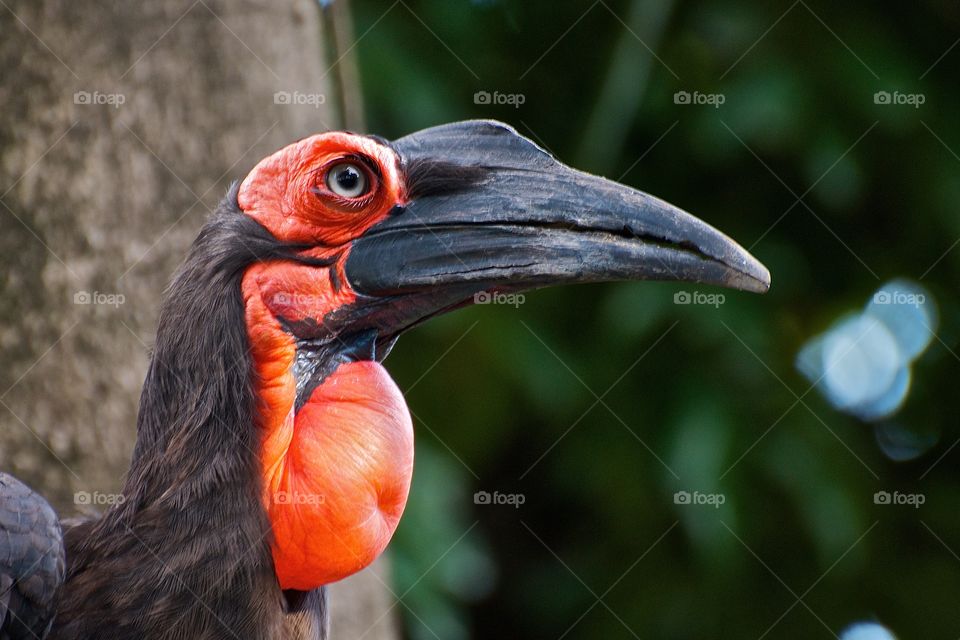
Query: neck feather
[[187, 552]]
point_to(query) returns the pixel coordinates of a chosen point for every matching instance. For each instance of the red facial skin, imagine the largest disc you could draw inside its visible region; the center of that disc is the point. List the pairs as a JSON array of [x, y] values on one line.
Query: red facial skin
[[336, 473]]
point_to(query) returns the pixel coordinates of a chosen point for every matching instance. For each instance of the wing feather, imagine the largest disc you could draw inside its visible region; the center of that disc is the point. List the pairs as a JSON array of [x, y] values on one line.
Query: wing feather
[[31, 561]]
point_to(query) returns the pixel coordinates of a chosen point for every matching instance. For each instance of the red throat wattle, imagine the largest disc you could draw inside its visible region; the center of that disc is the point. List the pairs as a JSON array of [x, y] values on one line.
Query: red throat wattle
[[336, 471]]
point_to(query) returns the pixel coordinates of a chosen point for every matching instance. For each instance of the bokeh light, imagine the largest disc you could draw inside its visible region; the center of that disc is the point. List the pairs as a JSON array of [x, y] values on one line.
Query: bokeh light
[[867, 631], [862, 363]]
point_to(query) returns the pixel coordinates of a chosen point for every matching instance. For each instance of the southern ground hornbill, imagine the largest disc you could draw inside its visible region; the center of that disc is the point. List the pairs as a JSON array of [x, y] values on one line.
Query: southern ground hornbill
[[274, 453]]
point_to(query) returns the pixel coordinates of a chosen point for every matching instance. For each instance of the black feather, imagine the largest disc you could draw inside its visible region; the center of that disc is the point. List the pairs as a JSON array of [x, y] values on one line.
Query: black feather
[[429, 177]]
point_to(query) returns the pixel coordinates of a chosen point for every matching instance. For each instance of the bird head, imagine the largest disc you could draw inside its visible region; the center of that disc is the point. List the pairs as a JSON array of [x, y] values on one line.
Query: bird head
[[381, 236]]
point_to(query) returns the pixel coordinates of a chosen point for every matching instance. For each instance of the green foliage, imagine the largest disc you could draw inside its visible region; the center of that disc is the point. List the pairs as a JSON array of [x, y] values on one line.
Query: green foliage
[[713, 405]]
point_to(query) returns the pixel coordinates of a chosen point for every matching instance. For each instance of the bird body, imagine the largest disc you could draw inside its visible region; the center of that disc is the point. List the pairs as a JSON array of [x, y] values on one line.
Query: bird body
[[274, 453]]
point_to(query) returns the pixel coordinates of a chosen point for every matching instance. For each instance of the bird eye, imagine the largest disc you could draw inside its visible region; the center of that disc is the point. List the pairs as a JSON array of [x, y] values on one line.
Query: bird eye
[[347, 180]]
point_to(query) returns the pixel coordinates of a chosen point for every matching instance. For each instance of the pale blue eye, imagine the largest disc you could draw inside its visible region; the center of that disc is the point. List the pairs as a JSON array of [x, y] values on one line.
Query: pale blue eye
[[347, 180]]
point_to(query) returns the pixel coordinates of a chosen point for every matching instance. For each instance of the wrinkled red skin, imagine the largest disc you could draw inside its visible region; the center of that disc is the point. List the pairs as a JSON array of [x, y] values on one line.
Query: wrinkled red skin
[[336, 473]]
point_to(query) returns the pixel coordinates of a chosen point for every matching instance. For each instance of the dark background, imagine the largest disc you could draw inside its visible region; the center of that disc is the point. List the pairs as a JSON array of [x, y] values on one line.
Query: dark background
[[834, 193]]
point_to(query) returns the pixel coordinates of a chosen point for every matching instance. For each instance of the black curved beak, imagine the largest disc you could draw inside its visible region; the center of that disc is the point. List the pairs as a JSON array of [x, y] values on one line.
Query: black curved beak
[[489, 210]]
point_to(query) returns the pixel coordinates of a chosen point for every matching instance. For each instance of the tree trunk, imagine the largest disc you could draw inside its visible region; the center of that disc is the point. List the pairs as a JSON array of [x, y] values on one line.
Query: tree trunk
[[122, 124]]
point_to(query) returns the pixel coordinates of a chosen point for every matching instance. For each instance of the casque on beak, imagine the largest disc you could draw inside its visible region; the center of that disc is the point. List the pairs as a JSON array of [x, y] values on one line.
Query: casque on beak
[[487, 209]]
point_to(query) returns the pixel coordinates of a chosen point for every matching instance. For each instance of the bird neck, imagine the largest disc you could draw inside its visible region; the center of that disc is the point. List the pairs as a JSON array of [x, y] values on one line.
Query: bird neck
[[336, 439], [236, 411], [186, 553]]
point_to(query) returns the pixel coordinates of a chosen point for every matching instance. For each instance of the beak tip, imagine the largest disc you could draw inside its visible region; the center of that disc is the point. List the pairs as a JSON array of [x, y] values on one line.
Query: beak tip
[[750, 276]]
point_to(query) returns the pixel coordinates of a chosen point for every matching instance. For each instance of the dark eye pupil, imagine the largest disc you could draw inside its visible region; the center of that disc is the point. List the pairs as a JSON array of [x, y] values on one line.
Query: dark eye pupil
[[348, 178]]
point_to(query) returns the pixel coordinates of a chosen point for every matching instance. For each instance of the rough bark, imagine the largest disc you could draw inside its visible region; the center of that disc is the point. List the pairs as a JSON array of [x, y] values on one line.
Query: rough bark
[[122, 125]]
